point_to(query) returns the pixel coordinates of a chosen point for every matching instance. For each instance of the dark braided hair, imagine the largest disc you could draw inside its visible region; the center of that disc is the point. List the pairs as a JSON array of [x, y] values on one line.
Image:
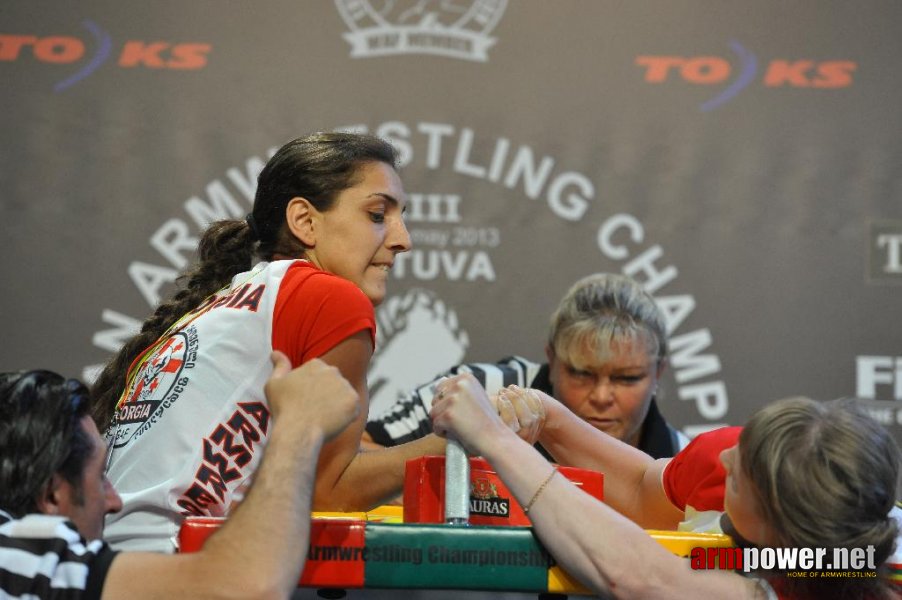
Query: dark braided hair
[[316, 167], [40, 435]]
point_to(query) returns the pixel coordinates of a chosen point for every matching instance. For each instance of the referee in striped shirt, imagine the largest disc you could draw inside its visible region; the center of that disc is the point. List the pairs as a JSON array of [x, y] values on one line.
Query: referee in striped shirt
[[607, 349], [54, 496]]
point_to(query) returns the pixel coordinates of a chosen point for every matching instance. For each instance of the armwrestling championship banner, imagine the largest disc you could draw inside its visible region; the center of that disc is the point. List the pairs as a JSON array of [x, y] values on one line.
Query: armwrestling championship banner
[[743, 161]]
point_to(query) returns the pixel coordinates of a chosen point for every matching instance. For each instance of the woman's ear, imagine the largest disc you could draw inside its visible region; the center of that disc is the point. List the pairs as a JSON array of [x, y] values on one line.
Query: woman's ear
[[662, 366], [301, 217]]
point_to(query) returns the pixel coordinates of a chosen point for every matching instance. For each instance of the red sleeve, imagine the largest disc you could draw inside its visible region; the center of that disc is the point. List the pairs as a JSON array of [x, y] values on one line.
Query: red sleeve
[[315, 310], [695, 477]]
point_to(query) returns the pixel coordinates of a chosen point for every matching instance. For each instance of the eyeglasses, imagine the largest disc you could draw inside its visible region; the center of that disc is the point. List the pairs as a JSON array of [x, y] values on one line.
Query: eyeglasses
[[111, 444]]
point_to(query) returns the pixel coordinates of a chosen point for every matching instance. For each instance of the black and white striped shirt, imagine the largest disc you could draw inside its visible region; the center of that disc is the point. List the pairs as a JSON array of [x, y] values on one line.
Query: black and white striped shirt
[[43, 556], [408, 418]]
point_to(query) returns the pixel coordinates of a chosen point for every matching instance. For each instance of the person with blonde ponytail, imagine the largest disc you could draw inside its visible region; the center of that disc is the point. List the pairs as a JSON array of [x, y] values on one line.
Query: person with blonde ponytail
[[182, 403]]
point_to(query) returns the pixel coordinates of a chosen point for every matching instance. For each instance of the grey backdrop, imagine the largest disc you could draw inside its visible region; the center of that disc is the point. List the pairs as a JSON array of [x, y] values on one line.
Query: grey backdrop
[[741, 159]]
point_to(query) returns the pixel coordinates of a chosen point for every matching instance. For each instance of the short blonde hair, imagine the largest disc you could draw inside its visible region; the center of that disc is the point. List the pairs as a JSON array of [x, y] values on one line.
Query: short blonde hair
[[602, 310]]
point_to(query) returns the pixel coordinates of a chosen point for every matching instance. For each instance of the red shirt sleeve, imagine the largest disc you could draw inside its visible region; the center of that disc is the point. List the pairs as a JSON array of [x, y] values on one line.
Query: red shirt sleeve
[[315, 310], [695, 477]]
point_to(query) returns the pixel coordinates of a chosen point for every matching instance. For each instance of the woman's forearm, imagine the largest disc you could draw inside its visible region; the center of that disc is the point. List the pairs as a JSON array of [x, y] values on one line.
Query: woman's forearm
[[632, 483], [594, 543], [374, 477]]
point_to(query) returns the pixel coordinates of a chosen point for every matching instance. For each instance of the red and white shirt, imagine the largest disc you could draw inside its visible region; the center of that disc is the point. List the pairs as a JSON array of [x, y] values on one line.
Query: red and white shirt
[[695, 479], [195, 417]]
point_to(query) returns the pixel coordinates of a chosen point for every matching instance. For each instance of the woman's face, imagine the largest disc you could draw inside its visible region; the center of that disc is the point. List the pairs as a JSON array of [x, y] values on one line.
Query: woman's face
[[359, 236], [613, 395], [741, 503]]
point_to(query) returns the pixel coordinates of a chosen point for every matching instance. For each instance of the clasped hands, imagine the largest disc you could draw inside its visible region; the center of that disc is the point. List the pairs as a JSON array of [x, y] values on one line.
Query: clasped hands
[[462, 409], [521, 410]]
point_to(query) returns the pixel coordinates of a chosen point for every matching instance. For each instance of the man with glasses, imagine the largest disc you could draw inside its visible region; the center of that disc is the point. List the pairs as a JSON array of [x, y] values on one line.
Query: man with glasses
[[54, 495]]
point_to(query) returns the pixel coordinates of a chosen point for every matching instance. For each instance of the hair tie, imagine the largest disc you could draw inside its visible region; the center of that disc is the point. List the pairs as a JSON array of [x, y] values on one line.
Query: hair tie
[[252, 225]]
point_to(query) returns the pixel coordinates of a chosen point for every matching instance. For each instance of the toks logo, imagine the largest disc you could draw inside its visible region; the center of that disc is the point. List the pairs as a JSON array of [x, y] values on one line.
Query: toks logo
[[59, 49], [713, 70]]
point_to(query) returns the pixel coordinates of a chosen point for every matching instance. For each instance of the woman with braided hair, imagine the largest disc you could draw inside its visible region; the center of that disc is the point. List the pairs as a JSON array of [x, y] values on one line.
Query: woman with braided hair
[[183, 403]]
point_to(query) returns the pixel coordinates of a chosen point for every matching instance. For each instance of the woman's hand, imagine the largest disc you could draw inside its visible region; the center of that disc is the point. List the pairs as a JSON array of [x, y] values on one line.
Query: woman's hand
[[522, 410], [463, 411]]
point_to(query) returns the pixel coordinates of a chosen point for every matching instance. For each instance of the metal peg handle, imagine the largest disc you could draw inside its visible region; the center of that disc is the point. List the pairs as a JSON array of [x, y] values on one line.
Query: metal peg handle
[[457, 484]]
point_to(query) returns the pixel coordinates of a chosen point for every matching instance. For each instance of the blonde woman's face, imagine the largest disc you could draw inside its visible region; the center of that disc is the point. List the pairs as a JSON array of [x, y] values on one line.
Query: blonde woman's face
[[613, 395]]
